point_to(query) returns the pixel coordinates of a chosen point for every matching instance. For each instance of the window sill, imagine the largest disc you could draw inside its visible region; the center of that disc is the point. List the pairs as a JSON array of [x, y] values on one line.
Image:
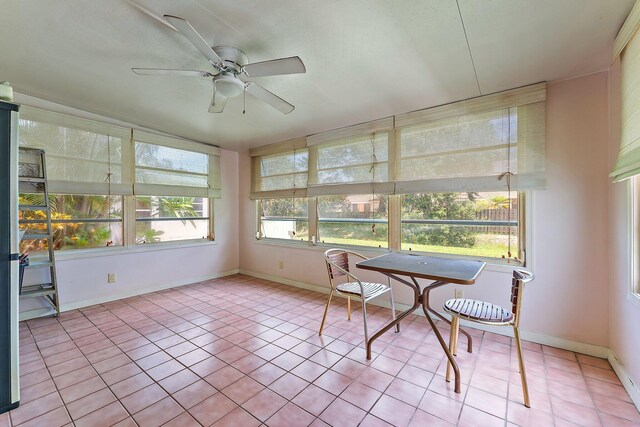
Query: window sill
[[121, 250], [319, 247], [492, 265]]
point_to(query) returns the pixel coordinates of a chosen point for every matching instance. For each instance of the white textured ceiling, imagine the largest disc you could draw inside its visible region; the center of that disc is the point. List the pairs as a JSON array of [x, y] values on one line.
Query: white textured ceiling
[[365, 59]]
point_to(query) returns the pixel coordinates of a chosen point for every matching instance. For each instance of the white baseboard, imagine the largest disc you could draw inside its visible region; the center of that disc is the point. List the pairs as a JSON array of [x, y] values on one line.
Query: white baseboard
[[276, 279], [627, 382], [579, 347], [133, 292]]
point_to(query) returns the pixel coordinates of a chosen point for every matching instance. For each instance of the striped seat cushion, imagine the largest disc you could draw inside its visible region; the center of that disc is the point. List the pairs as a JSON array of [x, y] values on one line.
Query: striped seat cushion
[[370, 289], [478, 310]]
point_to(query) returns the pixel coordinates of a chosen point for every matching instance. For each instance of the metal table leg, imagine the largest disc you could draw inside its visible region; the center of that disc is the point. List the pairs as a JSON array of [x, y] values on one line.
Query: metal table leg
[[416, 304], [426, 308], [465, 333]]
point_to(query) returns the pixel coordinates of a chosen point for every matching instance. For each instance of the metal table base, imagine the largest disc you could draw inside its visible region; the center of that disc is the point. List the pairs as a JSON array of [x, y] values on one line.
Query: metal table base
[[422, 299]]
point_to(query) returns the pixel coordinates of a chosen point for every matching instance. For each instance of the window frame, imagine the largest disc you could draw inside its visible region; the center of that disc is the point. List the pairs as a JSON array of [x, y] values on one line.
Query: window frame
[[209, 219], [128, 165], [634, 239], [296, 242], [394, 237], [522, 240], [318, 236]]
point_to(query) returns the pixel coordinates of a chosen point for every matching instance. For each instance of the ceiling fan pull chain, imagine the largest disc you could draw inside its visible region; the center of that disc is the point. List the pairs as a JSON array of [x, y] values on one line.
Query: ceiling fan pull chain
[[244, 100]]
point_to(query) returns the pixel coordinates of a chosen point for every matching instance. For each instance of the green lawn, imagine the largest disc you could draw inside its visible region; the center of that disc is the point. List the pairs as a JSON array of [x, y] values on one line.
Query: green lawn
[[486, 246]]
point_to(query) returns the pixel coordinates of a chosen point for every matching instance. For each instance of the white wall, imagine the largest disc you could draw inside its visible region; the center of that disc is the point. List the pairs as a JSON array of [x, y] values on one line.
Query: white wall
[[569, 252], [624, 308], [82, 277]]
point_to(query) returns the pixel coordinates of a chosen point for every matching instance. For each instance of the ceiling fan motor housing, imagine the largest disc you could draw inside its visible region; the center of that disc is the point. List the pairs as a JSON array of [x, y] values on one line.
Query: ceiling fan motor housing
[[234, 59]]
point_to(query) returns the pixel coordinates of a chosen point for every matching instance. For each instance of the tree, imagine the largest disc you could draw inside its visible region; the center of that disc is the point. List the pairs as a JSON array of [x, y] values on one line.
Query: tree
[[163, 207], [439, 206], [80, 209], [286, 207], [339, 205], [499, 202]]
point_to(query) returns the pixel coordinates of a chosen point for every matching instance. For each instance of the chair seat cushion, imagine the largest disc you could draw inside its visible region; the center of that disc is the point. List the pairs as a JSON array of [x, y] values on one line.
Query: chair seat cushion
[[478, 310], [370, 289]]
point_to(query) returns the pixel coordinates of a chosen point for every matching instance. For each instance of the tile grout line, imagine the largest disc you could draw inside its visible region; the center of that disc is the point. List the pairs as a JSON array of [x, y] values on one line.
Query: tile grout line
[[64, 404], [288, 315]]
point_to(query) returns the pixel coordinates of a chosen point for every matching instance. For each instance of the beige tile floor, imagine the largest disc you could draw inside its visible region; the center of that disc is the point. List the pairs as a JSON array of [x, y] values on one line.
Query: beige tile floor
[[239, 351]]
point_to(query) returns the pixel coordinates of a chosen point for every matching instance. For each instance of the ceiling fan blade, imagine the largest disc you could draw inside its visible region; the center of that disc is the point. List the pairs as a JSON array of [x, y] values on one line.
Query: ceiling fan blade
[[166, 72], [275, 67], [217, 102], [196, 39], [151, 15], [264, 95]]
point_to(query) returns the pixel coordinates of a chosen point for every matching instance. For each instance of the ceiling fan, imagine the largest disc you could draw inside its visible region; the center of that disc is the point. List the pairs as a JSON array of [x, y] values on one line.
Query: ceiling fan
[[232, 69]]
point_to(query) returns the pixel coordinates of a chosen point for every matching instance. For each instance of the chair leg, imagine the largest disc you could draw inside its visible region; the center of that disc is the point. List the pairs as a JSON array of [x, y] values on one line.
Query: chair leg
[[393, 308], [364, 317], [456, 337], [348, 308], [453, 343], [326, 310], [523, 375]]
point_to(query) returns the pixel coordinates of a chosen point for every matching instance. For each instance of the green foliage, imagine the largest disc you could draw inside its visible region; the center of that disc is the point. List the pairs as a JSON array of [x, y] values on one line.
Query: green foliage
[[439, 206], [88, 236], [148, 235], [286, 207], [164, 207], [176, 207], [368, 233], [335, 205], [70, 235]]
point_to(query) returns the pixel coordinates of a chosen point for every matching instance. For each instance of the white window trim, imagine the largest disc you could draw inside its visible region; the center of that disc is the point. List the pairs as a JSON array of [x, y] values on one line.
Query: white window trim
[[72, 254], [129, 245], [633, 227]]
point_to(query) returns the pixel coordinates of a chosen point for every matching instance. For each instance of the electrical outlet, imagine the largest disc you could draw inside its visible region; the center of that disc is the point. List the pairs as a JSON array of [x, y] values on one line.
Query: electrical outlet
[[281, 265], [459, 293], [111, 277]]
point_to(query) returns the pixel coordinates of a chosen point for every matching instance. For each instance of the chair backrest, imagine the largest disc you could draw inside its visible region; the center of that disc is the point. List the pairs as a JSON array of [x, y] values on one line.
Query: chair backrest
[[520, 278], [337, 263]]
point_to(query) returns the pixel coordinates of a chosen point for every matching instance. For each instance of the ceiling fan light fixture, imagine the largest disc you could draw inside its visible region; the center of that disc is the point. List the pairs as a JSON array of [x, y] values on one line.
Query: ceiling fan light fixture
[[228, 85]]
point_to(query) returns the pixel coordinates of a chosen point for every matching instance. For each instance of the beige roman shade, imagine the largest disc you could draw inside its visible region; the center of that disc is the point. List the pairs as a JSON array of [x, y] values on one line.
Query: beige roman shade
[[166, 166], [90, 157], [470, 145], [480, 144], [279, 170], [83, 156], [353, 160], [628, 43]]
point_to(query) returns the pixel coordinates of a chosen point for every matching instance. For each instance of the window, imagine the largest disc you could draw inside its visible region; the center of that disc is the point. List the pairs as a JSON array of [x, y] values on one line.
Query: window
[[360, 220], [284, 218], [449, 179], [480, 224], [94, 170], [78, 221], [164, 219]]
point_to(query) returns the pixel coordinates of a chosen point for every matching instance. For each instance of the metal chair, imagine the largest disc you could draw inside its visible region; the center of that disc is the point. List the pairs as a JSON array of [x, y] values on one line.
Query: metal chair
[[490, 314], [337, 261]]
